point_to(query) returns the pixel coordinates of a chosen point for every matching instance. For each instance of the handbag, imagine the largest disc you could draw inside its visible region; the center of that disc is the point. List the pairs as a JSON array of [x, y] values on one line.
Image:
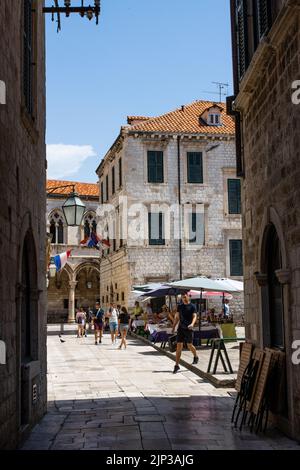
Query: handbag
[[172, 342]]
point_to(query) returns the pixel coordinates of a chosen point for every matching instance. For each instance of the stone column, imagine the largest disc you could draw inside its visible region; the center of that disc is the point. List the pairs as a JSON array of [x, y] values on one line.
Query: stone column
[[71, 316]]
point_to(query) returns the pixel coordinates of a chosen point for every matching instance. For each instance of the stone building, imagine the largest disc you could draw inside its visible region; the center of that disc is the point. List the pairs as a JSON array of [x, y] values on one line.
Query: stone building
[[77, 284], [266, 52], [170, 201], [22, 220]]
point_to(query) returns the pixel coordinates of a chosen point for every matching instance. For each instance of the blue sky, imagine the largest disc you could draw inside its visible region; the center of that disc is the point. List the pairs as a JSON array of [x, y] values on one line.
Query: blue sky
[[146, 57]]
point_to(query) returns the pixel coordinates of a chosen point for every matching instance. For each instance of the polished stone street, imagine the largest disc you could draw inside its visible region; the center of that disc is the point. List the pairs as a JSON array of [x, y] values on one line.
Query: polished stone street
[[103, 398]]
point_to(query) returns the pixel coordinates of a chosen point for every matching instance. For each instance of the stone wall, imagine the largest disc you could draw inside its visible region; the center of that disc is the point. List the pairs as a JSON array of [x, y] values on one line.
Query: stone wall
[[22, 210], [271, 191], [161, 263]]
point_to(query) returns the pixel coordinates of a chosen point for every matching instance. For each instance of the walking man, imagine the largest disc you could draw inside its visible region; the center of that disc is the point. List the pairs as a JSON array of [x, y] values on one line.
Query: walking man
[[98, 322], [186, 316]]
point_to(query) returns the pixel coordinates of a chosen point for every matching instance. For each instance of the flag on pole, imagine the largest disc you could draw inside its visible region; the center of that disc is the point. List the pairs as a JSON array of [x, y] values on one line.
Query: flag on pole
[[61, 260], [94, 241]]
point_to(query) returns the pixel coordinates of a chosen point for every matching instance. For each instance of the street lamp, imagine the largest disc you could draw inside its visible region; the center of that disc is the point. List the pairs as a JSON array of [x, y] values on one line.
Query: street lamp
[[52, 268], [89, 11], [73, 208]]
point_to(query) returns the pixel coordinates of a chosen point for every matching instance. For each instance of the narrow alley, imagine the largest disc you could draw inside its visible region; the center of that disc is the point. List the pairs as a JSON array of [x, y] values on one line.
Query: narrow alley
[[100, 397]]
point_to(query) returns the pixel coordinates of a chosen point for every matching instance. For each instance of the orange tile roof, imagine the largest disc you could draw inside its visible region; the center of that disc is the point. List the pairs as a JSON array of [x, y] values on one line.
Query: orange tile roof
[[186, 119], [131, 119], [83, 189]]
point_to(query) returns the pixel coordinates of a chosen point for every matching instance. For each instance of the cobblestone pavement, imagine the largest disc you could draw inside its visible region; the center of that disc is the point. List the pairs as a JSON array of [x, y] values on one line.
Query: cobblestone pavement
[[104, 398]]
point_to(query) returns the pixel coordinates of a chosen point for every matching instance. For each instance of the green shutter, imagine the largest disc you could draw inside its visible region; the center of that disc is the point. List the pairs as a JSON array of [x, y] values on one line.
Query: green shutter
[[102, 193], [196, 228], [264, 16], [242, 36], [234, 196], [195, 167], [113, 180], [155, 167], [236, 257], [120, 173], [156, 228]]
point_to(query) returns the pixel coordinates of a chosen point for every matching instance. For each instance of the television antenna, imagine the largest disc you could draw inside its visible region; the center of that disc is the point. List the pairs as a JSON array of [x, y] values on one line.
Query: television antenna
[[221, 92]]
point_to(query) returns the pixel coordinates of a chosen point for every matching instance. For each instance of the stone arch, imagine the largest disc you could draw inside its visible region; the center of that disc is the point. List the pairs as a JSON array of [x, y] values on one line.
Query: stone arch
[[89, 223], [57, 226], [87, 276], [273, 280], [271, 217], [27, 308]]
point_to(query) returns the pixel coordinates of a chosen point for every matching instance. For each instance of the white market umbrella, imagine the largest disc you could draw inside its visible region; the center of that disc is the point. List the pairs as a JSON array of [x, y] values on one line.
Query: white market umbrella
[[230, 285], [199, 283]]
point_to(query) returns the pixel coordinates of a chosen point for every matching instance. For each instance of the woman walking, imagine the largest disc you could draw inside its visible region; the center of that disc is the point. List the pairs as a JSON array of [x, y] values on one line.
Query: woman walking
[[113, 322], [124, 318]]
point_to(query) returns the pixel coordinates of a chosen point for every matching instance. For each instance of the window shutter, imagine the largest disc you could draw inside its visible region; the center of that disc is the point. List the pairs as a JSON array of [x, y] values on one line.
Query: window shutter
[[120, 173], [234, 196], [264, 17], [155, 167], [27, 56], [236, 257], [196, 228], [113, 180], [107, 190], [159, 167], [102, 193], [195, 167], [156, 228], [242, 37]]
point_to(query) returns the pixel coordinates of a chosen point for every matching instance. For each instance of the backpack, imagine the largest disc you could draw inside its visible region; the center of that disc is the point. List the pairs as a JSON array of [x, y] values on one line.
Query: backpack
[[99, 314]]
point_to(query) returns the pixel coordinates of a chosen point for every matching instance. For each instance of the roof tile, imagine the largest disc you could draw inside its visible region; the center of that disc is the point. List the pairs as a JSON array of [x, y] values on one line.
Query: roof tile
[[83, 189], [187, 120]]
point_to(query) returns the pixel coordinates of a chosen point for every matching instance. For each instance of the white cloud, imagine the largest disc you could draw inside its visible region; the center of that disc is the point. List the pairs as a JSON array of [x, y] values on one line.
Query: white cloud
[[65, 160]]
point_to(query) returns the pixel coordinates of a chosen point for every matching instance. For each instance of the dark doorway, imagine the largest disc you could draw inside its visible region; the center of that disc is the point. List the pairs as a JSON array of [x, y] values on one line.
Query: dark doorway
[[28, 323], [276, 307]]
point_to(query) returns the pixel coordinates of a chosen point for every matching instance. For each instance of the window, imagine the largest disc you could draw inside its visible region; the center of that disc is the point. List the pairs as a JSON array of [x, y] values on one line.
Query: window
[[155, 167], [156, 228], [28, 55], [114, 244], [120, 173], [107, 299], [118, 297], [123, 296], [196, 228], [234, 196], [195, 167], [242, 37], [90, 224], [107, 191], [236, 257], [214, 119], [113, 185], [57, 228], [103, 299], [102, 193], [252, 22], [263, 16], [66, 304]]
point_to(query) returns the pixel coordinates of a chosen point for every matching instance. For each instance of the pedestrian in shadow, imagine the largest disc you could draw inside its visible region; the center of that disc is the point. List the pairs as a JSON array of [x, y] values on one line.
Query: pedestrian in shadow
[[186, 317]]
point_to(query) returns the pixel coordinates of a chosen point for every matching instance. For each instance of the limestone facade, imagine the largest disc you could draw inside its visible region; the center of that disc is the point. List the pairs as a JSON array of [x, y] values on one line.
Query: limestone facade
[[135, 261], [23, 394], [269, 110], [77, 284]]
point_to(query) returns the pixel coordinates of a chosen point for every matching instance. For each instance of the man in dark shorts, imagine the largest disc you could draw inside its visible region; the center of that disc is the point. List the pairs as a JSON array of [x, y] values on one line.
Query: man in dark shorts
[[98, 322], [186, 316]]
